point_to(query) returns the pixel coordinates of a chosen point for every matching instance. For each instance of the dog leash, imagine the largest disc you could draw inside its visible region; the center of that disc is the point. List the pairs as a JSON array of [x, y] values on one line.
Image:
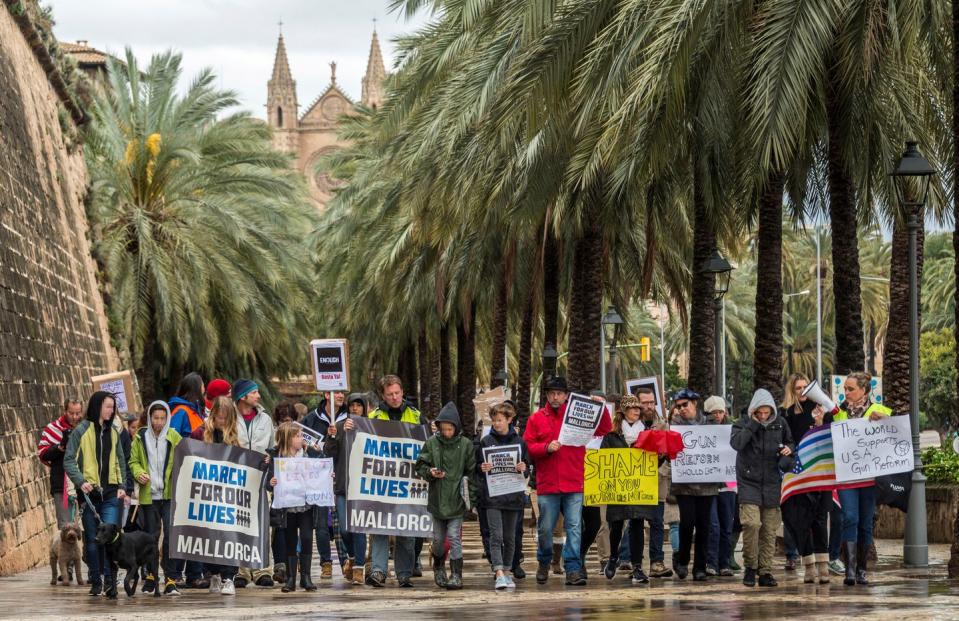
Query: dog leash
[[86, 499]]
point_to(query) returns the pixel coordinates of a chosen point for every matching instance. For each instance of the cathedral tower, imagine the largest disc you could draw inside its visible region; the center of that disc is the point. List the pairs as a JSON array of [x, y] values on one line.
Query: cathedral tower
[[375, 78], [282, 108]]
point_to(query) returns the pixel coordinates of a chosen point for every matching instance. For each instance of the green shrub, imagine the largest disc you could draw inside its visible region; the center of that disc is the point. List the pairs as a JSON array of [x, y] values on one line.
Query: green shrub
[[941, 465]]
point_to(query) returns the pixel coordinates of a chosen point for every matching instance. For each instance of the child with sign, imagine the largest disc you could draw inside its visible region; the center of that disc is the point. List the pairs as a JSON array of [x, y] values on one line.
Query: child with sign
[[445, 459], [501, 450], [298, 521]]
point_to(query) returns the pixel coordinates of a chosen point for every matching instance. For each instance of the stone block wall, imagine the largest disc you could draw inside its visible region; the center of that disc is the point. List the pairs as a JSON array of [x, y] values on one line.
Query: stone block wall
[[53, 332]]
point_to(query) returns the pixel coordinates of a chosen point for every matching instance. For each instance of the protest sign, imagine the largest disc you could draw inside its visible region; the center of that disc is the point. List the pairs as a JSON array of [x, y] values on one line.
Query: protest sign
[[580, 420], [653, 384], [303, 481], [123, 387], [865, 449], [220, 514], [331, 364], [385, 495], [311, 438], [620, 477], [707, 456], [502, 478]]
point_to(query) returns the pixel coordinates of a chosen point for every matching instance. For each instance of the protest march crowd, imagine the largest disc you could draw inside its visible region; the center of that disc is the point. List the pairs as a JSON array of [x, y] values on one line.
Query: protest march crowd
[[198, 473]]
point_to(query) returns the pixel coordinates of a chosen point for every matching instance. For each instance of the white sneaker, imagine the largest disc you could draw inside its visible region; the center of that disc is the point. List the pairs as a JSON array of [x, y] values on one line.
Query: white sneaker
[[228, 588], [215, 584]]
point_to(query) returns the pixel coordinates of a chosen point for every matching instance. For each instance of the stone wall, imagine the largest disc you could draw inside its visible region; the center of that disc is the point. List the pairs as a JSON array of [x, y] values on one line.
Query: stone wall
[[53, 333]]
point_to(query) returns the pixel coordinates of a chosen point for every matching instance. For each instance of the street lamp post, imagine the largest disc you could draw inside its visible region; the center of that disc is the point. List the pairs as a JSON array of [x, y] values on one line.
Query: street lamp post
[[721, 269], [818, 309], [912, 177], [611, 321], [501, 379]]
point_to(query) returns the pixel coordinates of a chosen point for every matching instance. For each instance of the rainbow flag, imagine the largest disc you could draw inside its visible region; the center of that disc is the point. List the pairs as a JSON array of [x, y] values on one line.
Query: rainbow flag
[[815, 470]]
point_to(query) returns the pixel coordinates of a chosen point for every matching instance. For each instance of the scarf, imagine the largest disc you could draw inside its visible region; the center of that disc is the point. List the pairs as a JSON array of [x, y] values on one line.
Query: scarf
[[858, 409], [631, 431]]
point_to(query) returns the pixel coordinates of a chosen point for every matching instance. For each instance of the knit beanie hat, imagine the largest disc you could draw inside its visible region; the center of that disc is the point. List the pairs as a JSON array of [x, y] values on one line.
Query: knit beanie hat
[[714, 403], [217, 388], [243, 387]]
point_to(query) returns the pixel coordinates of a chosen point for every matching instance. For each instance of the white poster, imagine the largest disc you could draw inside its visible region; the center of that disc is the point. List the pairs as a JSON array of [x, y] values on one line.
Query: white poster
[[864, 449], [331, 364], [303, 481], [653, 384], [118, 390], [580, 420], [707, 456], [503, 478]]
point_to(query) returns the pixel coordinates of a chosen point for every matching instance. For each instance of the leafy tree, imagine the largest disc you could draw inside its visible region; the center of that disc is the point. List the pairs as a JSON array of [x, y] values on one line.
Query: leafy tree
[[937, 381]]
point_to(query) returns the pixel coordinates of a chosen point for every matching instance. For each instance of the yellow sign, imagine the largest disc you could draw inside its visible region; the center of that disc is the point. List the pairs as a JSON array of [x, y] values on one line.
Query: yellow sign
[[620, 477]]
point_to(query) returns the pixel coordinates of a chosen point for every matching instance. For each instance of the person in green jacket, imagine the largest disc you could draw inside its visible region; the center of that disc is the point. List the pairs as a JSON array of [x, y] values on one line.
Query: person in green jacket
[[151, 463], [445, 459]]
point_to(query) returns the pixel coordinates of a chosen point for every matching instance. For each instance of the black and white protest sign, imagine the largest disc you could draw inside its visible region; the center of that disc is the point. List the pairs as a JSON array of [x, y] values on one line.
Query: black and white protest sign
[[707, 456], [580, 420], [864, 449], [385, 495], [220, 511], [331, 364], [311, 437], [502, 478]]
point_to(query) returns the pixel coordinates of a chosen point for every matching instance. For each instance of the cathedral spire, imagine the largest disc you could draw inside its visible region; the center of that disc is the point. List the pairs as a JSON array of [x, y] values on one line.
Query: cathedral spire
[[372, 96], [281, 66], [281, 104]]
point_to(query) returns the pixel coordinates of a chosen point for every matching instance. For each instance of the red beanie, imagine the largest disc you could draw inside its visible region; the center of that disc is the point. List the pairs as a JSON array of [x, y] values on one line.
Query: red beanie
[[217, 388]]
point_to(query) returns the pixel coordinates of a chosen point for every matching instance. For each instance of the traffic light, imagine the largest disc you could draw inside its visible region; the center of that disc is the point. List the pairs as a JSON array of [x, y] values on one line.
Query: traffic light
[[644, 349]]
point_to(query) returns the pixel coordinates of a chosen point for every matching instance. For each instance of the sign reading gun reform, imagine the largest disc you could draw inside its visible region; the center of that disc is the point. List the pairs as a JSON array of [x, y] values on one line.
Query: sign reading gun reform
[[220, 514], [384, 494], [620, 477]]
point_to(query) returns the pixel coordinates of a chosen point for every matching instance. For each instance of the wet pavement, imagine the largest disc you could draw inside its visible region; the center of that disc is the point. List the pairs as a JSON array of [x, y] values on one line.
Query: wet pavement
[[896, 593]]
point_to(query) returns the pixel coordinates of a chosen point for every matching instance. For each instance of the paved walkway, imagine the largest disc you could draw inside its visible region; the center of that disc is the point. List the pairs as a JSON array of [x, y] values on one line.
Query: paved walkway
[[895, 594]]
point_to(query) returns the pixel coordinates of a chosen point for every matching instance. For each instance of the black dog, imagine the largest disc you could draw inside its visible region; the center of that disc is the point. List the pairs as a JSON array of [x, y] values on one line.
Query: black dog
[[131, 551]]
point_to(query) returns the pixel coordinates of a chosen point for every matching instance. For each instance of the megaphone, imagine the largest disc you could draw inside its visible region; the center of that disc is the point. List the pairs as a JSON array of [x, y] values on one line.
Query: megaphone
[[815, 392]]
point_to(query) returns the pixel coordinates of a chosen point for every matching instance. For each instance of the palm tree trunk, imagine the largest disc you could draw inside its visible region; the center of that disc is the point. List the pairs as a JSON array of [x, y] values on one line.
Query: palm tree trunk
[[446, 367], [585, 307], [524, 374], [847, 297], [425, 373], [551, 274], [406, 369], [147, 367], [954, 551], [436, 378], [768, 351], [500, 324], [466, 371], [702, 317]]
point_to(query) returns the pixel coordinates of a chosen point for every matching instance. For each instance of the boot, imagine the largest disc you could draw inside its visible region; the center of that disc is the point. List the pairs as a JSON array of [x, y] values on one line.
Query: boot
[[862, 560], [822, 566], [456, 575], [326, 570], [850, 579], [557, 558], [809, 565], [439, 571], [290, 585], [306, 562]]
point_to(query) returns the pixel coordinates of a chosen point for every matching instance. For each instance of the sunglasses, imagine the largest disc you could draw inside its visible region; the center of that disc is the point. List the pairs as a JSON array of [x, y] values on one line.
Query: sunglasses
[[683, 404]]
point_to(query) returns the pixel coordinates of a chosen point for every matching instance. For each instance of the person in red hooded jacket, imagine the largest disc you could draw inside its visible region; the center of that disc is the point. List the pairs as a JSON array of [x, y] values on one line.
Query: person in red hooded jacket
[[559, 481]]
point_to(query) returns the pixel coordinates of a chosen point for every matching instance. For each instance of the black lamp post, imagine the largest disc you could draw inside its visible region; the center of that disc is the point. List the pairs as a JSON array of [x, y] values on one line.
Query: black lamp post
[[722, 270], [550, 355], [912, 177], [609, 330], [501, 378]]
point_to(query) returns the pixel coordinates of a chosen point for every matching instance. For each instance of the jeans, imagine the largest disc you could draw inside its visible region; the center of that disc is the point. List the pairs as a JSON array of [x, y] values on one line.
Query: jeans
[[451, 530], [98, 570], [858, 510], [502, 536], [674, 536], [835, 532], [322, 515], [157, 515], [402, 554], [694, 513], [355, 543], [550, 507], [721, 531]]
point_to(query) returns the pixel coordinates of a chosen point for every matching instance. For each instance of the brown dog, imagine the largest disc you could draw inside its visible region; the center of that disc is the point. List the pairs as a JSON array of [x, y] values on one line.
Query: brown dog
[[65, 554]]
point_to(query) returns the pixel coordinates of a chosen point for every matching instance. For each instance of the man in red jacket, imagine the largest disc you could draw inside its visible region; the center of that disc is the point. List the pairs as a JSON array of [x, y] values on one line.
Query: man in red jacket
[[559, 481]]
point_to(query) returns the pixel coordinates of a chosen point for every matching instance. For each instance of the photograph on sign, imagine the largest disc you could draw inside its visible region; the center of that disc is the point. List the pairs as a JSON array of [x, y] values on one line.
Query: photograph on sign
[[653, 384], [331, 364]]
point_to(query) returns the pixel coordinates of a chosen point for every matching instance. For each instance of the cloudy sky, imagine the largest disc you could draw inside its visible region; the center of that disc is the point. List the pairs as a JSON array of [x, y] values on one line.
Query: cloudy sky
[[237, 38]]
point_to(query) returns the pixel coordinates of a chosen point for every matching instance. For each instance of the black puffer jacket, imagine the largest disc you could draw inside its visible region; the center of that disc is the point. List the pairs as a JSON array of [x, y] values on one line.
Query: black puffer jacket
[[759, 466]]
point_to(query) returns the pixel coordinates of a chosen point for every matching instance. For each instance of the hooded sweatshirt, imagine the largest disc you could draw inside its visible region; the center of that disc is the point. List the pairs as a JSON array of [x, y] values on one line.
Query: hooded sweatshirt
[[319, 420], [152, 454], [455, 457], [94, 453], [759, 466]]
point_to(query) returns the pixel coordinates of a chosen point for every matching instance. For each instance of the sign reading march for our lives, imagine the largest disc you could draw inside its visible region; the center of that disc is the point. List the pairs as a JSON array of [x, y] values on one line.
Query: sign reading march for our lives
[[624, 476], [580, 420], [303, 481], [221, 514], [707, 456], [503, 478], [864, 449], [384, 494]]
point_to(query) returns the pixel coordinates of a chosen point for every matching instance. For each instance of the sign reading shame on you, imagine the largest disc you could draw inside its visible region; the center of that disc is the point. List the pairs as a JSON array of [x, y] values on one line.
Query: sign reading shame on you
[[864, 449], [384, 494], [623, 476], [707, 456], [220, 514]]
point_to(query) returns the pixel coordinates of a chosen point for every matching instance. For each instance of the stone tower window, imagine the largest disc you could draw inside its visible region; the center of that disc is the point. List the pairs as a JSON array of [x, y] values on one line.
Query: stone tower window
[[279, 116]]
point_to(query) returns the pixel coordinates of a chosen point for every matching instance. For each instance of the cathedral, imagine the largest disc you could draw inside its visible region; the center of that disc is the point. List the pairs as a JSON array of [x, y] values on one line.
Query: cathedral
[[314, 133]]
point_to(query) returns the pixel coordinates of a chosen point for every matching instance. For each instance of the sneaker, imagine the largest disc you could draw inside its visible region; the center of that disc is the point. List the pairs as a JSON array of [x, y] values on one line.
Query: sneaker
[[659, 570], [376, 579], [726, 572], [171, 588], [767, 580], [216, 585], [836, 568], [609, 569], [749, 578], [790, 564], [639, 577], [711, 571], [199, 583], [512, 585], [626, 567], [96, 588], [405, 582], [264, 581], [576, 578], [542, 573], [228, 587], [502, 583], [681, 571], [149, 585], [699, 575], [518, 573], [240, 582]]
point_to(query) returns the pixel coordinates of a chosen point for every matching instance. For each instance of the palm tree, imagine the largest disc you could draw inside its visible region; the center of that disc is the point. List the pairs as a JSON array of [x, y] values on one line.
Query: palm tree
[[199, 226]]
